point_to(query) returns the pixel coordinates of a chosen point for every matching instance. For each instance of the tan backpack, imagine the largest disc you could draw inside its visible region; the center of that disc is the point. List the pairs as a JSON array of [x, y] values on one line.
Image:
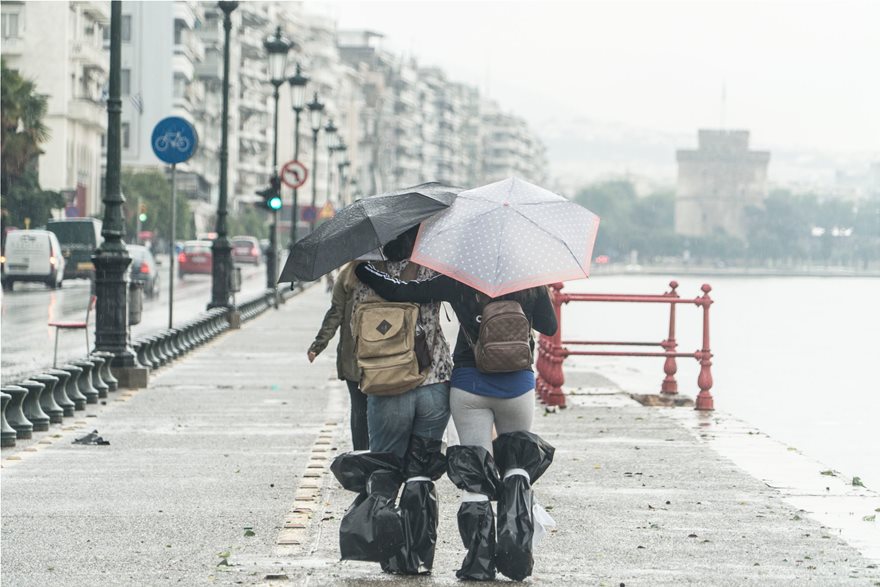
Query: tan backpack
[[504, 344], [385, 344]]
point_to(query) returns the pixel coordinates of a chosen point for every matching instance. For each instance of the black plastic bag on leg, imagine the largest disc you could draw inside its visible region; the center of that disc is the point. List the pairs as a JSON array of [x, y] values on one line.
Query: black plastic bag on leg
[[372, 528], [523, 457], [472, 469], [419, 507]]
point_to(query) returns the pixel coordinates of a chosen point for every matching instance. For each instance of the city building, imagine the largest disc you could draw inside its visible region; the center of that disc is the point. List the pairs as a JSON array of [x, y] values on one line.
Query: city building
[[401, 123], [59, 45], [717, 182], [509, 147], [162, 57]]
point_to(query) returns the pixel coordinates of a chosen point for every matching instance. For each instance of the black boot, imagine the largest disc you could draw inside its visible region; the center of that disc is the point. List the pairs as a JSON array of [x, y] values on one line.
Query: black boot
[[372, 528], [472, 469], [419, 508], [523, 456]]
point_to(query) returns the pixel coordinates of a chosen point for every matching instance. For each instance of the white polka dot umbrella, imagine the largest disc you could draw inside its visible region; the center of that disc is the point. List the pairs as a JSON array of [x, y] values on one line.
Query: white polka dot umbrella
[[507, 236]]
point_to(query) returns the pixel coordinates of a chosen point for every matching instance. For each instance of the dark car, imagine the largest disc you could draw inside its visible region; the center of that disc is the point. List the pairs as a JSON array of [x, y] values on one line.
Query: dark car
[[79, 237], [196, 257], [144, 269], [245, 249]]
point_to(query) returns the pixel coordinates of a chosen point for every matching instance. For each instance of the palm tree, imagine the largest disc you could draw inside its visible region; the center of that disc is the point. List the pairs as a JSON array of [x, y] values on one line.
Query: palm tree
[[21, 125]]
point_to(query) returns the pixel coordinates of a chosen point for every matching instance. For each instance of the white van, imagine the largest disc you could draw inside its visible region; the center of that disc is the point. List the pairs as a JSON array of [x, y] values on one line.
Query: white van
[[32, 255]]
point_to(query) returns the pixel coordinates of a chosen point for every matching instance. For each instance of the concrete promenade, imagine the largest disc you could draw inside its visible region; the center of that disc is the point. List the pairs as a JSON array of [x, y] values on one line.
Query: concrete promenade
[[217, 475]]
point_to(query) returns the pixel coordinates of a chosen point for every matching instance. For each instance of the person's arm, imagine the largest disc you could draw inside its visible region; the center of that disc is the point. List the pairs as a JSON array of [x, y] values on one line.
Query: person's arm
[[543, 316], [439, 288], [332, 320]]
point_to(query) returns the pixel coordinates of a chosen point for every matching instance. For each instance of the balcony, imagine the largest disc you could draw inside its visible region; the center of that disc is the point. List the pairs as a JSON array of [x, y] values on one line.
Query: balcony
[[87, 112], [211, 67], [184, 13], [91, 56], [97, 11], [12, 47], [182, 66], [254, 103]]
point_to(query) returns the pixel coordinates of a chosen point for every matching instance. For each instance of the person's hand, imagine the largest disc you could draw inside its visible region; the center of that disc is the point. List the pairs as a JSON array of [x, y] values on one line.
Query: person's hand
[[312, 355]]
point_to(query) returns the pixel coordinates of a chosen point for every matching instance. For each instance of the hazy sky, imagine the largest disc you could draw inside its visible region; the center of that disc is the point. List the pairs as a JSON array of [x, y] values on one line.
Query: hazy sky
[[798, 74]]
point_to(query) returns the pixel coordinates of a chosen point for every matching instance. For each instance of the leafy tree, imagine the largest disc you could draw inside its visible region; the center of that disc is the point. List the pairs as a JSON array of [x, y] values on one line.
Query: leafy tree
[[631, 223], [22, 132], [153, 190], [248, 221]]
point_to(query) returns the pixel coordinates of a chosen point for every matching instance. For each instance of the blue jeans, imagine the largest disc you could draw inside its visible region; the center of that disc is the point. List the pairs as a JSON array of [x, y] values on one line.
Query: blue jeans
[[392, 419]]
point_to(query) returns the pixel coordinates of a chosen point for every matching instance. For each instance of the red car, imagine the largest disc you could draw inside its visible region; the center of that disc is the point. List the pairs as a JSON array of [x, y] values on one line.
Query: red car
[[245, 249], [195, 257]]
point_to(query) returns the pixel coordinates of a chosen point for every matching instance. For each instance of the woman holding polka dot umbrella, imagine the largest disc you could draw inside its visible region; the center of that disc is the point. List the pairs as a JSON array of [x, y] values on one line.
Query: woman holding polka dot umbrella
[[497, 244], [508, 236]]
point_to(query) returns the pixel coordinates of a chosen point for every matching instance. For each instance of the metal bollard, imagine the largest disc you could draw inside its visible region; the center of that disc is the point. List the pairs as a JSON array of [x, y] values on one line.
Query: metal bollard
[[106, 371], [32, 409], [97, 381], [15, 415], [150, 352], [159, 351], [85, 381], [60, 391], [187, 337], [170, 349], [139, 349], [7, 432], [47, 399], [72, 387]]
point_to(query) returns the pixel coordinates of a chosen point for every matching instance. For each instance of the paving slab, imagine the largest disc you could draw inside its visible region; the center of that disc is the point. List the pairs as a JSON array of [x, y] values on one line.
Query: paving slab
[[217, 474]]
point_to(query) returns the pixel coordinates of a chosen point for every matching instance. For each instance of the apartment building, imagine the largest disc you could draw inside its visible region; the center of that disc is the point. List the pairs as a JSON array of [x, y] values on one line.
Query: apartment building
[[59, 45]]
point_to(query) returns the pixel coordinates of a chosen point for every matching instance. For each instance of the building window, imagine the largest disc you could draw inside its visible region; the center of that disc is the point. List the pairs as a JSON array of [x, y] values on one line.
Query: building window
[[126, 134], [179, 27], [125, 81], [126, 28], [10, 25]]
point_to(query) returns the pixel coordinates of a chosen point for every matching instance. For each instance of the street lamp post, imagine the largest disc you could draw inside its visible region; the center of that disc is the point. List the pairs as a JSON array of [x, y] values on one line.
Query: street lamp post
[[316, 112], [332, 144], [111, 259], [297, 100], [343, 181], [277, 46], [221, 251]]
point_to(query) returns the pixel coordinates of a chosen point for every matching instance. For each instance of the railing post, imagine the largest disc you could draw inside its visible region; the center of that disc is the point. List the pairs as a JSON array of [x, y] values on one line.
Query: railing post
[[704, 380], [555, 377], [669, 385]]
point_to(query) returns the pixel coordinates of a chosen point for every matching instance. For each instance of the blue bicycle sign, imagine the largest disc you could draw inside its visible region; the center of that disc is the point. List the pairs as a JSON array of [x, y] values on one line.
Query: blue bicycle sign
[[174, 140]]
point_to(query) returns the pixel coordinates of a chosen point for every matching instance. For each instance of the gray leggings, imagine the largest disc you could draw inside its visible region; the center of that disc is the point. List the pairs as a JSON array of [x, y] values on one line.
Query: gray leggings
[[474, 415]]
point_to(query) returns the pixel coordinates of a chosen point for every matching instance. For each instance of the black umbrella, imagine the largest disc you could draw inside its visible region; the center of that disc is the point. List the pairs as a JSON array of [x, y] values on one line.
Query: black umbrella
[[363, 227]]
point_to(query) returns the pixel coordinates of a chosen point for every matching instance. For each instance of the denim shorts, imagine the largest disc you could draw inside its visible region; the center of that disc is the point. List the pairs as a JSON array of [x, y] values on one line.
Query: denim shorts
[[423, 411]]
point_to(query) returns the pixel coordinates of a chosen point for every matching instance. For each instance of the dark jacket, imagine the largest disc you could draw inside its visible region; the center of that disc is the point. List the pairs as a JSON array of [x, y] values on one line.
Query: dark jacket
[[464, 302], [339, 316]]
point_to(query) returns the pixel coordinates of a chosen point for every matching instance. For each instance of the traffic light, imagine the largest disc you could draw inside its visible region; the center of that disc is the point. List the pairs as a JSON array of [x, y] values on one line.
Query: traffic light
[[143, 213], [271, 195]]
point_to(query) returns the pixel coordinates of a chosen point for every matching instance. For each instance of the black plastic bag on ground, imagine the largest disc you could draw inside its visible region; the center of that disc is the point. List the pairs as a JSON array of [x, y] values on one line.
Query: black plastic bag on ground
[[419, 507], [523, 457], [372, 528], [472, 469]]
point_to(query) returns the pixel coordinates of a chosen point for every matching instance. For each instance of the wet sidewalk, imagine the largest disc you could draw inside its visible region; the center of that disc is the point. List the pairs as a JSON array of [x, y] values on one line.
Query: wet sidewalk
[[218, 474]]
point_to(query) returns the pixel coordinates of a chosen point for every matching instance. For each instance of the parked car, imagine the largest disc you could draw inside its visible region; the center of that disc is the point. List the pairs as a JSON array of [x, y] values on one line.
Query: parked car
[[32, 255], [144, 269], [246, 249], [196, 257], [79, 237]]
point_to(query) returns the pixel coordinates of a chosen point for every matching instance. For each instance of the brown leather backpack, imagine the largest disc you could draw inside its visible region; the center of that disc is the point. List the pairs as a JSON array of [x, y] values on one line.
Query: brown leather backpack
[[504, 343]]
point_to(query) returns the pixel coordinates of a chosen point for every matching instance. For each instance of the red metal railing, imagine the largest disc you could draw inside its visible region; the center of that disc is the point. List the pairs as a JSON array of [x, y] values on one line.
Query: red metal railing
[[552, 350]]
